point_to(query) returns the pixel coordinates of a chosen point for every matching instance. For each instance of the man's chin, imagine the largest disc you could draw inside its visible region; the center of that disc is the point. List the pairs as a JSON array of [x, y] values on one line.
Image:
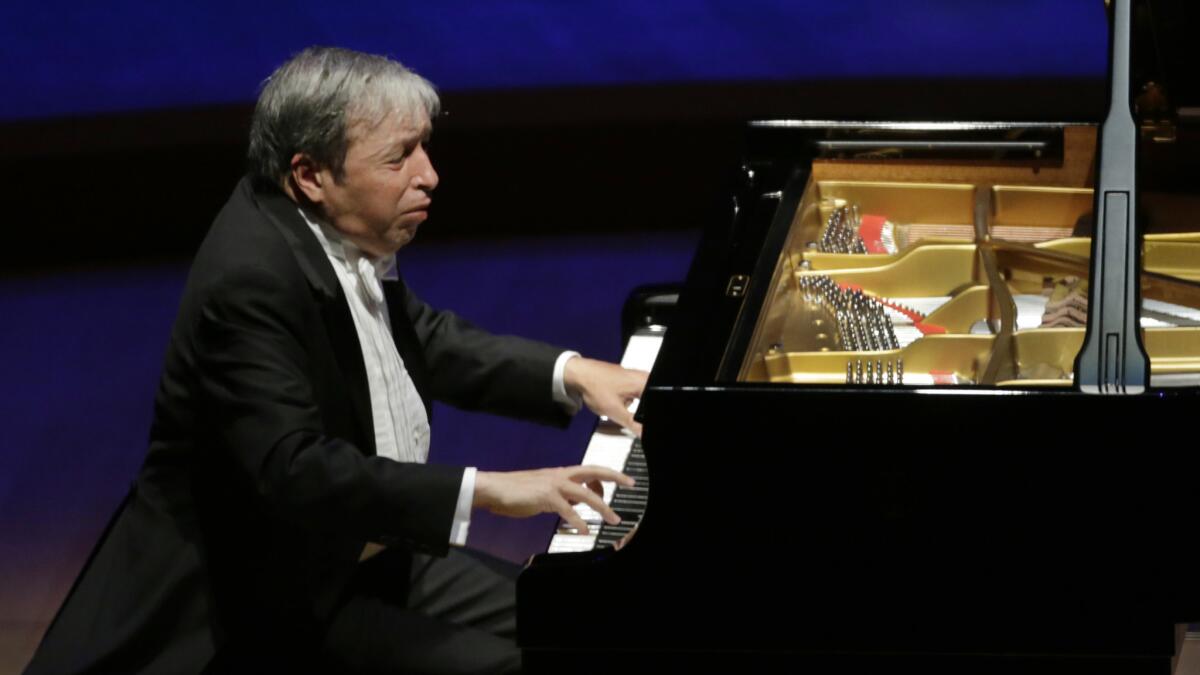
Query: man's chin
[[404, 236]]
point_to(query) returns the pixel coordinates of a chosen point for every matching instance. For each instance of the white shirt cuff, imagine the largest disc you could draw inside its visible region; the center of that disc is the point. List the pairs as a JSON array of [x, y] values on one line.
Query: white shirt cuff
[[559, 388], [462, 512]]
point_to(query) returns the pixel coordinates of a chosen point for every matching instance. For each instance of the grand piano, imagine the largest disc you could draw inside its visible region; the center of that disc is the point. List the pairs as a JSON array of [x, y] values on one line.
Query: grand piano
[[923, 404]]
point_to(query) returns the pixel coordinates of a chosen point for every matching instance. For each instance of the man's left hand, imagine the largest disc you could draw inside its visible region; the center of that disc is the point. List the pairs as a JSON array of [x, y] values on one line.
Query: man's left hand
[[606, 388]]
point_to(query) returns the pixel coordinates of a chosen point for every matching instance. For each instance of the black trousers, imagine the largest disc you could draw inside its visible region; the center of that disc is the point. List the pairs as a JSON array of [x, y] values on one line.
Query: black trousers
[[413, 613]]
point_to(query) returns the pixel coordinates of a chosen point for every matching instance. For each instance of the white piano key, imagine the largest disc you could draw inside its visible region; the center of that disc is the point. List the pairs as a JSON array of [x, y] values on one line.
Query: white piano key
[[641, 351], [588, 514], [569, 543], [608, 449], [640, 354]]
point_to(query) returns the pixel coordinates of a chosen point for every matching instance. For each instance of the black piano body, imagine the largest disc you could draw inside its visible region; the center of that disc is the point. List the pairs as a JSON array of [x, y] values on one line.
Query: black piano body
[[982, 515]]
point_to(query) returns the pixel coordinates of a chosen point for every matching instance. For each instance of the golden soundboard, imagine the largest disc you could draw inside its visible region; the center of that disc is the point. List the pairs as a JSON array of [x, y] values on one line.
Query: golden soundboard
[[926, 273]]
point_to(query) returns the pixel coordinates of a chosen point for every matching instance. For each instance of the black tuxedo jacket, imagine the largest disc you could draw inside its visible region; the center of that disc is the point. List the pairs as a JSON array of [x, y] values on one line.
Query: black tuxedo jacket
[[261, 483]]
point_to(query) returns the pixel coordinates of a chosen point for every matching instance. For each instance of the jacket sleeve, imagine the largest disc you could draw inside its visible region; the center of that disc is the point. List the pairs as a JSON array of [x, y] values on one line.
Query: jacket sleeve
[[253, 362], [473, 369]]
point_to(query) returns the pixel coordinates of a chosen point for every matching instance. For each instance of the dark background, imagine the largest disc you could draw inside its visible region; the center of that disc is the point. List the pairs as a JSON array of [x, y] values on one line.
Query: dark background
[[585, 146]]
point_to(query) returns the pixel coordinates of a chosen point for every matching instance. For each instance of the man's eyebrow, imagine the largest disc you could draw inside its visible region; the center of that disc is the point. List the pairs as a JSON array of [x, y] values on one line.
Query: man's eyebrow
[[398, 146]]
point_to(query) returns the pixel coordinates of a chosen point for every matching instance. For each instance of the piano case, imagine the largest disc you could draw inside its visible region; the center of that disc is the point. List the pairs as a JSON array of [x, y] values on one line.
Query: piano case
[[871, 435]]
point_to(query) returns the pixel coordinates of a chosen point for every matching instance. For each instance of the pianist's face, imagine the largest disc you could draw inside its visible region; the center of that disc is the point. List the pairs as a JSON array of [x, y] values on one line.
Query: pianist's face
[[385, 189]]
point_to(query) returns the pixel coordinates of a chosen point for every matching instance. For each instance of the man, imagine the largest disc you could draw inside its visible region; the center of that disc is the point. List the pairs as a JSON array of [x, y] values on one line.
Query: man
[[291, 423]]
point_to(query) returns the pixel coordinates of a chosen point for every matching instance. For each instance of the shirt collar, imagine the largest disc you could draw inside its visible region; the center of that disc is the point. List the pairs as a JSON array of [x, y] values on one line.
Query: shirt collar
[[338, 247]]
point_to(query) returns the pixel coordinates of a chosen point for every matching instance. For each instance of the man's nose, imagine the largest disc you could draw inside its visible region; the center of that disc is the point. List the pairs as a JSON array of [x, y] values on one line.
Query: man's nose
[[427, 177]]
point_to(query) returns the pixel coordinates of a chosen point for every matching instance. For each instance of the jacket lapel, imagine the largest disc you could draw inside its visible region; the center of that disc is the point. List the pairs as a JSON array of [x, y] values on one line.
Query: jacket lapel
[[335, 311]]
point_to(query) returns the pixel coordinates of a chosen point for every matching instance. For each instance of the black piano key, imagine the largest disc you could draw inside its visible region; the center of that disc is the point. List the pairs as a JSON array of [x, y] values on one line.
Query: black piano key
[[609, 538]]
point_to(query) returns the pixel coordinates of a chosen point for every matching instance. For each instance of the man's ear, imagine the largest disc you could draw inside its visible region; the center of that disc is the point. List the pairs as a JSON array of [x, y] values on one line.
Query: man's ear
[[307, 178]]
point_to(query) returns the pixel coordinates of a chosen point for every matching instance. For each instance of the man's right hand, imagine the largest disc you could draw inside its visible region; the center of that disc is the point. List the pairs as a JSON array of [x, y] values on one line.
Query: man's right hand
[[520, 494]]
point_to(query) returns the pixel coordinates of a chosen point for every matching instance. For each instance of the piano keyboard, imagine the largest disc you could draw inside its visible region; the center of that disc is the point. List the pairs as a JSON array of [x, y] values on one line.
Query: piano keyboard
[[615, 448]]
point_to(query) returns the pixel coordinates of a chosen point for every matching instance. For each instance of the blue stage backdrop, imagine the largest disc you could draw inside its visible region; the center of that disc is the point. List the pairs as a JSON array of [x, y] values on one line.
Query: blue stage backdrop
[[82, 353], [63, 57]]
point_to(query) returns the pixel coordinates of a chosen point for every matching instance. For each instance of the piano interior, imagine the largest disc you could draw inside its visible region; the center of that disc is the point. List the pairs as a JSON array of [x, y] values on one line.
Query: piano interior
[[958, 273]]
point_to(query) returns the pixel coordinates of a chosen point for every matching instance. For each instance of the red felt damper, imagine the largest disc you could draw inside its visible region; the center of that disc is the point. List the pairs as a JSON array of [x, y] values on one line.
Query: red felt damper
[[917, 318], [942, 376], [870, 228]]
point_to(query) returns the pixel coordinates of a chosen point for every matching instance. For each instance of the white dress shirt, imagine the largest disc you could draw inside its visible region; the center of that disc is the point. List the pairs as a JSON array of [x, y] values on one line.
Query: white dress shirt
[[401, 425]]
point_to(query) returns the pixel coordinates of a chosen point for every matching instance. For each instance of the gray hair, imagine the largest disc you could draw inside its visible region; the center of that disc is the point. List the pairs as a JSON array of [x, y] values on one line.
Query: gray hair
[[309, 104]]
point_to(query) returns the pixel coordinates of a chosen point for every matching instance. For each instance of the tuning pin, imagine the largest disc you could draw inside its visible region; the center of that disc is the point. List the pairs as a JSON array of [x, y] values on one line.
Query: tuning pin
[[900, 371], [849, 373], [870, 373], [891, 377], [858, 371]]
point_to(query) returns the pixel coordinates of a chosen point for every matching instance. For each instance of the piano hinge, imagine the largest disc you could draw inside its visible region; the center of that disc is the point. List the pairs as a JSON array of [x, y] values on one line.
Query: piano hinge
[[737, 285]]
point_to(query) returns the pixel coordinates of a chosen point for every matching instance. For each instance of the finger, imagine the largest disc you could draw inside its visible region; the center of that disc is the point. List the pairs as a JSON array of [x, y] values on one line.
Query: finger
[[582, 474], [625, 540], [580, 494], [637, 383], [595, 486], [636, 428], [570, 516], [625, 419]]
